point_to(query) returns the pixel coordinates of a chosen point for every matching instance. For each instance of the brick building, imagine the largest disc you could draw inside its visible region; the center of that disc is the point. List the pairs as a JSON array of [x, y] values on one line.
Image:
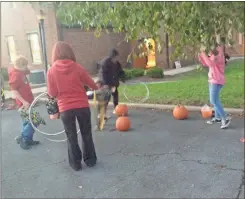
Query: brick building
[[20, 35]]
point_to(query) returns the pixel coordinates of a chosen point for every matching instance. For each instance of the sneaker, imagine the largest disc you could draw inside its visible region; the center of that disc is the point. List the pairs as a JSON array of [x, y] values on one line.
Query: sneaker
[[32, 142], [24, 144], [18, 139], [213, 121], [225, 123]]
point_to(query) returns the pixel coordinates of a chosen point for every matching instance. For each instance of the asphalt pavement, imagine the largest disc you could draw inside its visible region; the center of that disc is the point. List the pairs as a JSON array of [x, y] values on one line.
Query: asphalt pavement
[[158, 158]]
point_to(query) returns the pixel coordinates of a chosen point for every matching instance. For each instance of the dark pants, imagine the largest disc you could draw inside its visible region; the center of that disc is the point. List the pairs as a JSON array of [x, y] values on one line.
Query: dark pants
[[115, 98], [83, 117]]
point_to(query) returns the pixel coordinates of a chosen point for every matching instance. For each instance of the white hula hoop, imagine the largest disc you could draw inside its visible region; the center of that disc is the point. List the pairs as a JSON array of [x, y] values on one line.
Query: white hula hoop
[[35, 128], [142, 100]]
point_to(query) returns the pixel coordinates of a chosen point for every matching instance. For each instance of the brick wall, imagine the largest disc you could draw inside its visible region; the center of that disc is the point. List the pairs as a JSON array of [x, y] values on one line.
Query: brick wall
[[20, 20], [89, 50]]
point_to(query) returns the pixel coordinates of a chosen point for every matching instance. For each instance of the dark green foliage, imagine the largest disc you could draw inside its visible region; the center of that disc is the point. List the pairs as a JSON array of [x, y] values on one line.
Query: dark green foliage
[[132, 73], [154, 72]]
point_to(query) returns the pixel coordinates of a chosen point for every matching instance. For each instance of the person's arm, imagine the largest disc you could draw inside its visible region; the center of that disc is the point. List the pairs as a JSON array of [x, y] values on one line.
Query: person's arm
[[205, 60], [86, 79], [121, 73], [52, 88]]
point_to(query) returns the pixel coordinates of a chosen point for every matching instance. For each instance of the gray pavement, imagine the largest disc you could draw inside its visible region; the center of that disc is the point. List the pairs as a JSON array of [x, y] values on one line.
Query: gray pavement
[[158, 157]]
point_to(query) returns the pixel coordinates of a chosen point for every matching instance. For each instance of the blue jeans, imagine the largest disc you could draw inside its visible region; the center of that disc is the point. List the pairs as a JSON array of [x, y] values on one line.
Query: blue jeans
[[214, 91], [27, 131]]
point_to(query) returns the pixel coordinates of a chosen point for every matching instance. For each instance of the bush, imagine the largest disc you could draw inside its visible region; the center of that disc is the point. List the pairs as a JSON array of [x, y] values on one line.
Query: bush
[[132, 73], [154, 72], [4, 72]]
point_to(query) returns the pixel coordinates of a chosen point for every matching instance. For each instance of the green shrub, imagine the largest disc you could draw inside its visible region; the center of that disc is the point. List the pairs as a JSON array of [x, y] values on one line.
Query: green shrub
[[4, 72], [154, 72], [133, 73]]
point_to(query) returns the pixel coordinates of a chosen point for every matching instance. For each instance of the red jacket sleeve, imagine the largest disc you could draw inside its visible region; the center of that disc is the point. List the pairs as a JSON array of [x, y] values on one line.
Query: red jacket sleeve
[[86, 79], [52, 88]]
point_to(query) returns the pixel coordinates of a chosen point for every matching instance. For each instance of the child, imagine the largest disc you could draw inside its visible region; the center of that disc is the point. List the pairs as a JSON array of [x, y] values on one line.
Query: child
[[102, 96], [23, 95]]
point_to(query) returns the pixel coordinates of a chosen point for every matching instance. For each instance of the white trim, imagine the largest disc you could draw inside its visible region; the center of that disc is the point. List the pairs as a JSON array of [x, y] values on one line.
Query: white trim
[[240, 38]]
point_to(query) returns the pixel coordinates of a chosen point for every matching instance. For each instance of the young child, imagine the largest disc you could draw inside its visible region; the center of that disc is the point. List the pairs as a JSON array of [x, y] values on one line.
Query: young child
[[23, 95], [102, 96]]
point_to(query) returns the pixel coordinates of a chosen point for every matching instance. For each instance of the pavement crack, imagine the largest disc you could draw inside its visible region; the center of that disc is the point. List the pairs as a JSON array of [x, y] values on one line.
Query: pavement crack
[[240, 187], [150, 155], [212, 163], [30, 168]]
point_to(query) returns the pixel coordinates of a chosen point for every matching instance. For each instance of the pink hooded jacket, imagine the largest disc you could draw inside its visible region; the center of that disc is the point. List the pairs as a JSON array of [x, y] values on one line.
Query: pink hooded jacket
[[216, 66]]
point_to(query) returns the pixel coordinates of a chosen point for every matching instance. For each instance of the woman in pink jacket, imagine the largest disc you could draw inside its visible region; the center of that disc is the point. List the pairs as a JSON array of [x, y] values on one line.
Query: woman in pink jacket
[[216, 79]]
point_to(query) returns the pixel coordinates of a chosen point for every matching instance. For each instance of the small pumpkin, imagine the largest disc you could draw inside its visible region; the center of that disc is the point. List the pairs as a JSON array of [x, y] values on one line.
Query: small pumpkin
[[123, 123], [206, 112], [180, 112], [121, 110]]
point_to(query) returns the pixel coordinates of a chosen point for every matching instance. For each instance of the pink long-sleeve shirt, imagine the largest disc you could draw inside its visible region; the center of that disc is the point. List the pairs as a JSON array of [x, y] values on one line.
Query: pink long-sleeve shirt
[[216, 64]]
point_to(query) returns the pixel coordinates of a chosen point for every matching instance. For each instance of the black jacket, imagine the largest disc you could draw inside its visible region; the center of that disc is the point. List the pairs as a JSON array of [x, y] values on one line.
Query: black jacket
[[111, 73]]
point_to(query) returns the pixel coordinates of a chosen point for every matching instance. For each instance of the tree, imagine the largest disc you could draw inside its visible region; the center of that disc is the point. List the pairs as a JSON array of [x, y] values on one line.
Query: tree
[[192, 24]]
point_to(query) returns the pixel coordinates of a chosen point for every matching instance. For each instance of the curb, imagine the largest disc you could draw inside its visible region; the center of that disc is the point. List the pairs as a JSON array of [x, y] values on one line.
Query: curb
[[171, 107]]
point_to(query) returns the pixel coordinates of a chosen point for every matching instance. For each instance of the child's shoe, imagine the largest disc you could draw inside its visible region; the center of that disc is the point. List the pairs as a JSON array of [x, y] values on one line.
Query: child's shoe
[[33, 142], [24, 144], [214, 120], [225, 123]]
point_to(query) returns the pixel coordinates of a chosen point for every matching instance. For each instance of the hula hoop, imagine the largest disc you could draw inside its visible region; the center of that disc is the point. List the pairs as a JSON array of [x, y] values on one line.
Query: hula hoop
[[35, 128], [142, 100]]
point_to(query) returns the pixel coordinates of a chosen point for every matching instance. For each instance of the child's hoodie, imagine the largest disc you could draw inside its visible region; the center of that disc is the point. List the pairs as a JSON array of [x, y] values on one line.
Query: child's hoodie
[[216, 66]]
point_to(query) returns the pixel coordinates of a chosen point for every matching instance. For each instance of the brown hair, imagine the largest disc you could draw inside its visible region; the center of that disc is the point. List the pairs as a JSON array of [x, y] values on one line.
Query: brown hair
[[62, 50], [20, 63]]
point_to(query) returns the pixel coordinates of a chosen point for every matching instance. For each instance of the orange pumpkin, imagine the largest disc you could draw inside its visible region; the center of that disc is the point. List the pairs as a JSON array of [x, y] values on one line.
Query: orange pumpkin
[[207, 113], [123, 123], [121, 110], [180, 112], [55, 116]]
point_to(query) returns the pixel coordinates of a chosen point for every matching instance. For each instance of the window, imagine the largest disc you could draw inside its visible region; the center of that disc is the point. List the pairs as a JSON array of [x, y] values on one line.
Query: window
[[11, 48], [240, 39], [33, 39]]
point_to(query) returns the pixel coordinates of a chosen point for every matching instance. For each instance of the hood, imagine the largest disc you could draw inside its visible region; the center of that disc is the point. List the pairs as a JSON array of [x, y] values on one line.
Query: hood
[[64, 66]]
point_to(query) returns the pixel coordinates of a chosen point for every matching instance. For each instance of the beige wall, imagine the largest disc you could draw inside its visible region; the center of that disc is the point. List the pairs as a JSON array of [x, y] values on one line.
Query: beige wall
[[20, 20]]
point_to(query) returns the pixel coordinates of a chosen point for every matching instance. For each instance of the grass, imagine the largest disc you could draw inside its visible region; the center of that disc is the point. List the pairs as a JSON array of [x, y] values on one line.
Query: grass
[[192, 89]]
